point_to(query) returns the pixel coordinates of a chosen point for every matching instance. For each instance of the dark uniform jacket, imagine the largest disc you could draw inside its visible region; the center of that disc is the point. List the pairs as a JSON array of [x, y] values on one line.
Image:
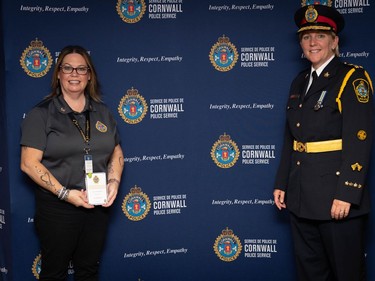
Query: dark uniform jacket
[[313, 180]]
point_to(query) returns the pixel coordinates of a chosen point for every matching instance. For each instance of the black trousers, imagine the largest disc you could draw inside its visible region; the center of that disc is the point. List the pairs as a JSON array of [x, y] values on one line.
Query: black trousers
[[329, 250], [70, 234]]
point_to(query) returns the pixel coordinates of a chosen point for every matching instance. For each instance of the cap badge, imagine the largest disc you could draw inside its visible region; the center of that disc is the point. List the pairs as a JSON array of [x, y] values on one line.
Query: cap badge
[[311, 14]]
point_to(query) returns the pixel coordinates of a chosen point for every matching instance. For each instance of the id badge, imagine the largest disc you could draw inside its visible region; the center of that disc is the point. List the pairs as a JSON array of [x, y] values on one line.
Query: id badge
[[96, 187], [88, 164]]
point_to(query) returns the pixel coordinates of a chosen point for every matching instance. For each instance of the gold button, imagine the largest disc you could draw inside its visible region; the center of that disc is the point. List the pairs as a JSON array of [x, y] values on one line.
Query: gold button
[[337, 173], [298, 125], [298, 163], [300, 105]]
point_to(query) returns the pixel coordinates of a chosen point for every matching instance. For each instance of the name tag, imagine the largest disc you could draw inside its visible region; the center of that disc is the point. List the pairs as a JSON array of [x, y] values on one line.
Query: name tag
[[96, 187]]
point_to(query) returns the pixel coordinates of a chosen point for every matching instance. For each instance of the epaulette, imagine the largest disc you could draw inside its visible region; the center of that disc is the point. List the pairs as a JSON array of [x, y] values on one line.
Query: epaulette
[[366, 74], [353, 65]]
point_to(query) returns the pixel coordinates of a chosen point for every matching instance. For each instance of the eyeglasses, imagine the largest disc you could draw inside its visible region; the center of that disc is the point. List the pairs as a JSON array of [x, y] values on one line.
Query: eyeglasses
[[81, 70]]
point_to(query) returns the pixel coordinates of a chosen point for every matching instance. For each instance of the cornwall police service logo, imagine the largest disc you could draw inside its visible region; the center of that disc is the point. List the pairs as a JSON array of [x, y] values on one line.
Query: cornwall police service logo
[[132, 107], [131, 11], [36, 60], [136, 204], [227, 246], [317, 2], [37, 266], [223, 55], [225, 152]]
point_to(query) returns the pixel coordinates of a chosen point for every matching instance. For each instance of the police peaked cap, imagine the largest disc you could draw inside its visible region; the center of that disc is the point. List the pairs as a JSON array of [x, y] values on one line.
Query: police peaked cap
[[319, 17]]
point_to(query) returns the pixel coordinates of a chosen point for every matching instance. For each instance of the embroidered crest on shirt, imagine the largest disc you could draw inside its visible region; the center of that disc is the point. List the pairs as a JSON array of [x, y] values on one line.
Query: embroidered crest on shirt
[[101, 127]]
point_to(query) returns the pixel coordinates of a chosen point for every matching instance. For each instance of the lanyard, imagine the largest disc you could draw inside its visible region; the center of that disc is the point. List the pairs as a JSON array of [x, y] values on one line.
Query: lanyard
[[85, 134]]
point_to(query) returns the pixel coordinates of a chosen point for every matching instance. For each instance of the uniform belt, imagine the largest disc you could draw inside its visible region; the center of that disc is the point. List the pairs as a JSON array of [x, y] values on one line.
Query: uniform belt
[[318, 146]]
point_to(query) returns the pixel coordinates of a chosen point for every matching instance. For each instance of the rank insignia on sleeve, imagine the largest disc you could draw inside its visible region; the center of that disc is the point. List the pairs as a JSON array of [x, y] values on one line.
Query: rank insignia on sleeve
[[357, 167], [361, 88], [353, 184], [361, 135]]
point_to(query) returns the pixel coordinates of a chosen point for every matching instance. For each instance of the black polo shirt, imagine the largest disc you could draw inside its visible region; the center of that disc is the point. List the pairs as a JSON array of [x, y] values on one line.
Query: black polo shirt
[[49, 128]]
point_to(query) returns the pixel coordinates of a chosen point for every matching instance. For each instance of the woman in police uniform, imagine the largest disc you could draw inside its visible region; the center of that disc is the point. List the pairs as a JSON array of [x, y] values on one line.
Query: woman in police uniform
[[69, 136], [325, 158]]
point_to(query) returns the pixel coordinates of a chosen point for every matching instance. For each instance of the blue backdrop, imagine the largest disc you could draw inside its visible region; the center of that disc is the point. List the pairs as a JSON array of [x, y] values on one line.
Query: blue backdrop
[[198, 89]]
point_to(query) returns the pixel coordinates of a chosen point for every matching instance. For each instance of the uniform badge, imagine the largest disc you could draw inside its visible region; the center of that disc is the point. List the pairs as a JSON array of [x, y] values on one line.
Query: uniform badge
[[36, 60], [361, 88], [223, 54], [361, 135], [311, 14], [357, 167], [136, 204], [225, 152], [101, 127], [132, 107], [227, 246], [131, 11]]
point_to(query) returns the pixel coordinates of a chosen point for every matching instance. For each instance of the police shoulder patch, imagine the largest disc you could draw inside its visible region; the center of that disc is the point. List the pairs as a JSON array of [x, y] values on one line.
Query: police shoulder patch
[[361, 89]]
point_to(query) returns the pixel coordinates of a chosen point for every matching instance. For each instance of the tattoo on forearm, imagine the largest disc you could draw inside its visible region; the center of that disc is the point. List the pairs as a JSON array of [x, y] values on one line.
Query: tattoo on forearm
[[113, 180], [110, 167], [46, 179]]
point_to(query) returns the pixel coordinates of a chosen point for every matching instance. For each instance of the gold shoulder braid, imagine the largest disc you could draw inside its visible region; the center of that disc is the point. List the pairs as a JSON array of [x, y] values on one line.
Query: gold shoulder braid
[[344, 82]]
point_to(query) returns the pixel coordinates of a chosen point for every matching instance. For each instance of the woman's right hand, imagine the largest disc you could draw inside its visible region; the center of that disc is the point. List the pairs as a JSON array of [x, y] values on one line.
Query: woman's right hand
[[78, 198], [279, 198]]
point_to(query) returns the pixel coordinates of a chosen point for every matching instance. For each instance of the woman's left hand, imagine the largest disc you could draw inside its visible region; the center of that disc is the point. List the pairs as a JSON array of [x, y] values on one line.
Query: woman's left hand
[[340, 209]]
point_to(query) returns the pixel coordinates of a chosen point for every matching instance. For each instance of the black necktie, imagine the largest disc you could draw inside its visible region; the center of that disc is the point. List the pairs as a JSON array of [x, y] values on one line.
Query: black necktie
[[314, 78]]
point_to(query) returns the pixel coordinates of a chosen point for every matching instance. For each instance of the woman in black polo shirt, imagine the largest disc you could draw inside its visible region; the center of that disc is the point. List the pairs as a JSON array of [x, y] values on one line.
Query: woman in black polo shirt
[[70, 143]]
